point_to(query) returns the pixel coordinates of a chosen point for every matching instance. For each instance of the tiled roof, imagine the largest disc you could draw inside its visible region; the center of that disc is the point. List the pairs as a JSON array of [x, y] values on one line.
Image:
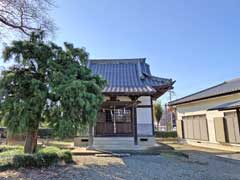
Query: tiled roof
[[224, 88], [227, 106], [131, 76]]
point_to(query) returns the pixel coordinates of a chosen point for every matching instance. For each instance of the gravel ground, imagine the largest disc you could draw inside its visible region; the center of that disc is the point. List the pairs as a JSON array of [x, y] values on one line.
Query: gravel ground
[[199, 166]]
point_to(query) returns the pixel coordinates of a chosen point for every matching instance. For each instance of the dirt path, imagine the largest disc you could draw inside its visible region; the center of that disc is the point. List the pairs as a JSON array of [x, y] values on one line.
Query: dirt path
[[199, 166]]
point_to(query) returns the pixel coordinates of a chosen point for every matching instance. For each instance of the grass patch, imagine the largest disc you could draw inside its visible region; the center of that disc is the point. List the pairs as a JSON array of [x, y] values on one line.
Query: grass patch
[[62, 144], [49, 149], [13, 157], [4, 148]]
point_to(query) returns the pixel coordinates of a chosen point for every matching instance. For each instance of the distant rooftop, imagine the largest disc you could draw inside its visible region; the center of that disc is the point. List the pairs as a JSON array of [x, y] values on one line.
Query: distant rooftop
[[225, 88], [129, 76]]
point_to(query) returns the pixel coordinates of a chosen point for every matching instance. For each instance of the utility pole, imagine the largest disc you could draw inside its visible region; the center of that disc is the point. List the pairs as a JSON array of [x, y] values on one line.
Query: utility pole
[[171, 92]]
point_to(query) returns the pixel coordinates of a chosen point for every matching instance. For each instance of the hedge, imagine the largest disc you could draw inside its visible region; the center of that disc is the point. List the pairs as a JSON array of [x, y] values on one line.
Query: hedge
[[15, 158], [166, 134], [35, 160]]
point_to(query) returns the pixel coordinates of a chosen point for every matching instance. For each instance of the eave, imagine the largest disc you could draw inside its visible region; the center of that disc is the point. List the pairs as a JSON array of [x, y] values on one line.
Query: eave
[[204, 98]]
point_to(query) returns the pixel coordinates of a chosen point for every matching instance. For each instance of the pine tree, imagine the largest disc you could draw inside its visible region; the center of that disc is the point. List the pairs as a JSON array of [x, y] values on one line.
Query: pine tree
[[23, 88], [76, 93], [48, 83]]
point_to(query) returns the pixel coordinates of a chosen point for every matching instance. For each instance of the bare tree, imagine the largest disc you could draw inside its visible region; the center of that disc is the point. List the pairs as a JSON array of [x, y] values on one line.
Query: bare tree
[[25, 16]]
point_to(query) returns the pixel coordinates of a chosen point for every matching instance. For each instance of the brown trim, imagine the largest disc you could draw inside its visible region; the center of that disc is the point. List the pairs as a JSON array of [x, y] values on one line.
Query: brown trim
[[207, 127], [225, 129], [153, 131], [214, 96], [238, 116], [183, 134]]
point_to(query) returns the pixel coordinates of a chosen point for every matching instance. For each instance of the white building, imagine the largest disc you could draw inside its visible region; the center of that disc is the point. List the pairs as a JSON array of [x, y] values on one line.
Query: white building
[[211, 118]]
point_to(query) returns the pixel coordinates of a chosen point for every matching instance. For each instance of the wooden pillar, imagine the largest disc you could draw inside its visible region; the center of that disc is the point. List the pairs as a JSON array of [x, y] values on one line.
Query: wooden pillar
[[134, 118]]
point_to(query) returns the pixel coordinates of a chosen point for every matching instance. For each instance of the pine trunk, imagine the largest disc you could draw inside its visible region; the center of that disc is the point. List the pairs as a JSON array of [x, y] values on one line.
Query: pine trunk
[[90, 137], [30, 145]]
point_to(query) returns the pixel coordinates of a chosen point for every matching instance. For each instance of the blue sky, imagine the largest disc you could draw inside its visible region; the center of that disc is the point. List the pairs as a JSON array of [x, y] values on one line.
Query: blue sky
[[195, 42]]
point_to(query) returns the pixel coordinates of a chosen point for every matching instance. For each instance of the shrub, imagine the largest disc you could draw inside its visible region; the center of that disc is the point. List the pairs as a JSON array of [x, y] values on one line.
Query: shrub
[[66, 156], [35, 160], [43, 158], [24, 160], [167, 134], [6, 157]]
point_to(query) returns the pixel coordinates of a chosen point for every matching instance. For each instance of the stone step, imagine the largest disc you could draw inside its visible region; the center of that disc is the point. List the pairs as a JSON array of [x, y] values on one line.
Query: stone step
[[113, 140], [113, 143], [106, 147]]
